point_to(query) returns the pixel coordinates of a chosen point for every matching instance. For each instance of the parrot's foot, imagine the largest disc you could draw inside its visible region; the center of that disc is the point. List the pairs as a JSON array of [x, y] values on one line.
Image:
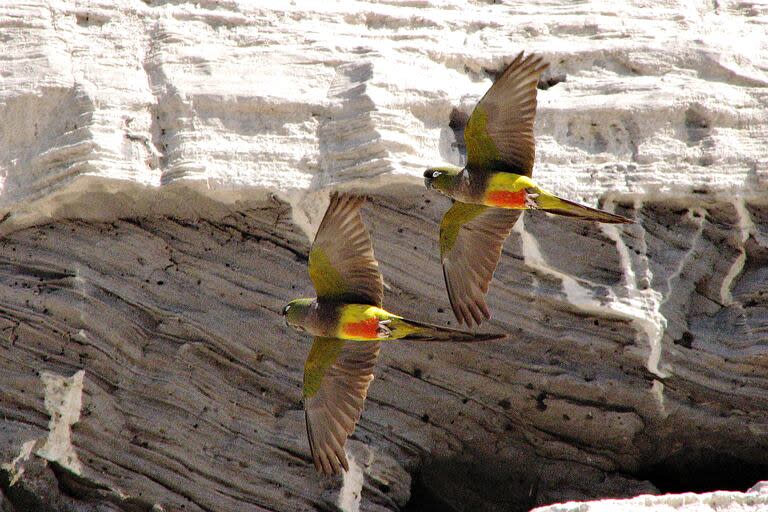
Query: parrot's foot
[[530, 200], [383, 331]]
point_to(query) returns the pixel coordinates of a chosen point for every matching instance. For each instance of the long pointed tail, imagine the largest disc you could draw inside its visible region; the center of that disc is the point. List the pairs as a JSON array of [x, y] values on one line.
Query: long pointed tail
[[421, 331], [568, 208]]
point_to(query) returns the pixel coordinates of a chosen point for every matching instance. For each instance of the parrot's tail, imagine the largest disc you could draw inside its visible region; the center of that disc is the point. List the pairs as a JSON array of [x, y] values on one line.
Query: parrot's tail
[[561, 206], [420, 331]]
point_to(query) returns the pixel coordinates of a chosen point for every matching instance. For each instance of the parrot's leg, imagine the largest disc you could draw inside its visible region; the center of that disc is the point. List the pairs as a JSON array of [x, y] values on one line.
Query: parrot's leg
[[383, 331], [530, 200]]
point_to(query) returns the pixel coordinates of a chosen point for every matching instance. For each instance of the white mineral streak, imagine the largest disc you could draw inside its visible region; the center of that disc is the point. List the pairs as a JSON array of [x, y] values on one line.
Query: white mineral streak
[[708, 502], [657, 391], [350, 494], [640, 303], [576, 294], [63, 399], [15, 468], [746, 228], [639, 306]]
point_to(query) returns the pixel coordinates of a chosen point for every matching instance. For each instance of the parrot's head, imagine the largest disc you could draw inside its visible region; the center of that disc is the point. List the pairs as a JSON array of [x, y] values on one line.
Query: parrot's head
[[441, 178], [296, 312]]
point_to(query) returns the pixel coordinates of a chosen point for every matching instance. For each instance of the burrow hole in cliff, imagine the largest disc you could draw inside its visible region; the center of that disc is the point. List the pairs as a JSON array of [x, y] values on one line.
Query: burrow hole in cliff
[[461, 484], [458, 122], [704, 471]]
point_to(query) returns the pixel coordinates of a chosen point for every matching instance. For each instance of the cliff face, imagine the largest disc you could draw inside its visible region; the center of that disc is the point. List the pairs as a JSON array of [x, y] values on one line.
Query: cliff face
[[165, 164]]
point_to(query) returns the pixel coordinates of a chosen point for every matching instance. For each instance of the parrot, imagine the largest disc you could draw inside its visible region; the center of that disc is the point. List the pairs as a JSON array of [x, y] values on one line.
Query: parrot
[[494, 187], [349, 326]]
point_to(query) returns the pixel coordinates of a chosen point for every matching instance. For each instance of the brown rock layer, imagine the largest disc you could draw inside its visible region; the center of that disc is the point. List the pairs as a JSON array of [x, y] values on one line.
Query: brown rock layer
[[191, 390]]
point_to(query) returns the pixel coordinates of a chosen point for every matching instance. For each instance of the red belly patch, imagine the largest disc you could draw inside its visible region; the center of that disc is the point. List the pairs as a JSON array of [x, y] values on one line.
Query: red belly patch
[[367, 329], [506, 199]]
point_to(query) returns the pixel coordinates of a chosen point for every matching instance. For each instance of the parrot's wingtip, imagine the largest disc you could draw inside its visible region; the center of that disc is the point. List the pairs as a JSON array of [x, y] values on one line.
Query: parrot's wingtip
[[490, 336]]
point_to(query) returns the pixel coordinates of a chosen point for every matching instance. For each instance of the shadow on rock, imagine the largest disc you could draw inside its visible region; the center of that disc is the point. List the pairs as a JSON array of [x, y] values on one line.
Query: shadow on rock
[[470, 482]]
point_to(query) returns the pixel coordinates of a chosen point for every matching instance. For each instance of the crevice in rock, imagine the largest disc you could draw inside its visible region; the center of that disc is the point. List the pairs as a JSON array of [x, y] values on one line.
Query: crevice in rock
[[82, 488], [704, 470], [551, 81], [17, 497], [457, 123], [697, 126], [462, 483]]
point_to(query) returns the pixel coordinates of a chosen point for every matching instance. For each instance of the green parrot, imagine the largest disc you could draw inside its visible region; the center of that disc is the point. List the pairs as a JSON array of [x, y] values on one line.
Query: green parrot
[[494, 187], [348, 325]]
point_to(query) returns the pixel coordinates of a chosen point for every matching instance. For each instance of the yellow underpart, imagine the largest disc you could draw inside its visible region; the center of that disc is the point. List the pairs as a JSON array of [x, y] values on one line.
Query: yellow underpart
[[358, 313], [508, 182]]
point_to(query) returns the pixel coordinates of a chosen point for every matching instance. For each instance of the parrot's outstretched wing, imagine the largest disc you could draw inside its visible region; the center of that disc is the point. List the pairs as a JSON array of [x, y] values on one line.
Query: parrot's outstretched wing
[[336, 379], [499, 133], [341, 262], [471, 238]]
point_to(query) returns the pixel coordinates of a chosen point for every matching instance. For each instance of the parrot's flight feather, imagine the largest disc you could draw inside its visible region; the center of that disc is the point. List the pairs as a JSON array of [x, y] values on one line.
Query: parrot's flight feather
[[341, 262], [499, 133], [336, 379], [471, 238]]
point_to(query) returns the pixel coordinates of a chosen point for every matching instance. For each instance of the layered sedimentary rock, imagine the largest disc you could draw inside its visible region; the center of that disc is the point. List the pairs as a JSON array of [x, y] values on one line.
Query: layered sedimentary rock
[[164, 166]]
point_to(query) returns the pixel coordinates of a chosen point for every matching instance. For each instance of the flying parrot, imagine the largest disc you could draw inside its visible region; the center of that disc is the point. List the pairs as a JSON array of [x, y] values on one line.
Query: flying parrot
[[494, 187], [348, 325]]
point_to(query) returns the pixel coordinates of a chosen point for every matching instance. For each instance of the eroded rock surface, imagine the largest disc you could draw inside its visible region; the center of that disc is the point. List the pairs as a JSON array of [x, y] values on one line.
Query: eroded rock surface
[[164, 165]]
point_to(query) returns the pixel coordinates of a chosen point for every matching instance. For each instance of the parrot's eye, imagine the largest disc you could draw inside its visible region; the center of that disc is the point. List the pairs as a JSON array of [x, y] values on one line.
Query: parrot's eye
[[436, 174], [285, 309]]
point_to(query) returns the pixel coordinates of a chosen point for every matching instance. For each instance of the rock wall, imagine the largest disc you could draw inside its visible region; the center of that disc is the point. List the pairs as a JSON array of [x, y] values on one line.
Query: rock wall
[[164, 166]]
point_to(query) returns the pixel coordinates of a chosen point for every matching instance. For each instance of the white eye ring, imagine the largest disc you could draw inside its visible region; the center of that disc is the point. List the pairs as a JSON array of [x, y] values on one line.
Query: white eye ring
[[436, 174]]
